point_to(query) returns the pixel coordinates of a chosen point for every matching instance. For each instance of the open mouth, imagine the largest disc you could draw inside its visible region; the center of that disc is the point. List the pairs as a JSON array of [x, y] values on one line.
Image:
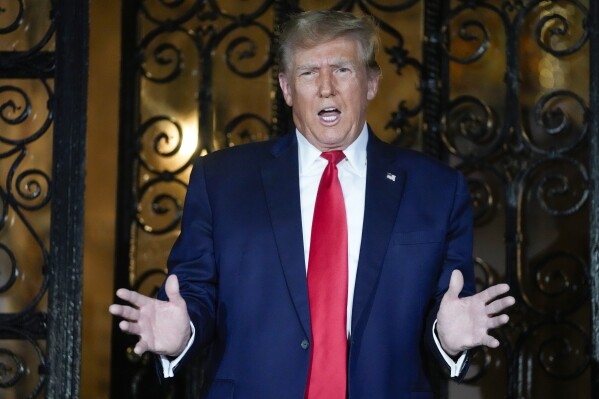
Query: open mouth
[[329, 114]]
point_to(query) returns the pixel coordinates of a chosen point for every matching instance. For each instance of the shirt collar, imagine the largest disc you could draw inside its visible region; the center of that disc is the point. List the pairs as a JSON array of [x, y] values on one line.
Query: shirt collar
[[355, 154]]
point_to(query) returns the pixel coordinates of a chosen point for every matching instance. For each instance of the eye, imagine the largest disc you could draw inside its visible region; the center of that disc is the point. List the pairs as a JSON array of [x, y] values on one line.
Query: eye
[[344, 69]]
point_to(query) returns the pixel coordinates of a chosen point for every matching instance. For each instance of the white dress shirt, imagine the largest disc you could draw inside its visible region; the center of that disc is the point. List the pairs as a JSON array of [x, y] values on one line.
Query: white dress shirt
[[352, 176]]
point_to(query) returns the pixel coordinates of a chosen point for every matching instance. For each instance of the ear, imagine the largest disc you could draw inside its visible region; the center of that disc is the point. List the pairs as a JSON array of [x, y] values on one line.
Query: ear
[[286, 88], [373, 85]]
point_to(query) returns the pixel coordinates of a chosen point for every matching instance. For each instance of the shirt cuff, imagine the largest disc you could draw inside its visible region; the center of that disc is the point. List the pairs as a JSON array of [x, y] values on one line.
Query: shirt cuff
[[454, 366], [168, 366]]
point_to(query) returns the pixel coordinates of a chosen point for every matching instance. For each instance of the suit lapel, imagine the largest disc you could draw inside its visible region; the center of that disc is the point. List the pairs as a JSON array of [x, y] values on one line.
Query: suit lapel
[[384, 188], [280, 177]]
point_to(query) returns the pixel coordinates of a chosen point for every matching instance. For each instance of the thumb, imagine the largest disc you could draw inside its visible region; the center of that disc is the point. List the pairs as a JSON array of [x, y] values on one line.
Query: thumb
[[171, 288], [456, 283]]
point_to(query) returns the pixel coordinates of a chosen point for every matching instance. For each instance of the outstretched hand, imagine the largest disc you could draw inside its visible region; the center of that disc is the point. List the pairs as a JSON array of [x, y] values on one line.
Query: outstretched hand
[[463, 323], [162, 326]]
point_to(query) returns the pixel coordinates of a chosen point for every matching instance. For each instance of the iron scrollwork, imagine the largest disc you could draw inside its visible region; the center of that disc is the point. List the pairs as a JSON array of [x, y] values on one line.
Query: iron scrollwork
[[15, 368], [484, 181], [12, 368], [399, 56], [246, 128], [401, 120], [166, 56], [473, 32], [560, 185], [165, 136], [28, 58], [557, 26], [26, 191], [561, 279], [164, 211], [470, 129], [558, 121], [10, 263], [528, 161], [559, 349]]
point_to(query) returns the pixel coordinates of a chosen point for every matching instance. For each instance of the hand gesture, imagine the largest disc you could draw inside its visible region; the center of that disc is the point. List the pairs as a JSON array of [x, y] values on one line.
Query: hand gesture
[[463, 323], [162, 326]]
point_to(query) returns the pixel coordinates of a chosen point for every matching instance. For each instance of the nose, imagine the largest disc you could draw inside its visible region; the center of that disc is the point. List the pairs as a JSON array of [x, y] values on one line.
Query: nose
[[326, 86]]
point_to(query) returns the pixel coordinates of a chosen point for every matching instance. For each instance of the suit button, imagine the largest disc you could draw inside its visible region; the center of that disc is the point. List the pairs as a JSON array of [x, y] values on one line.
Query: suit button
[[305, 344]]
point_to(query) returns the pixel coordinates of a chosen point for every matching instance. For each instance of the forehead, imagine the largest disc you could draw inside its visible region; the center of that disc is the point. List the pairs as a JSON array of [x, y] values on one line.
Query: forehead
[[338, 50]]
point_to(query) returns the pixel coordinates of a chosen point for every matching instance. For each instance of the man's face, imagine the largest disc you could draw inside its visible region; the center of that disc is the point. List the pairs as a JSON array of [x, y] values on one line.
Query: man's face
[[329, 87]]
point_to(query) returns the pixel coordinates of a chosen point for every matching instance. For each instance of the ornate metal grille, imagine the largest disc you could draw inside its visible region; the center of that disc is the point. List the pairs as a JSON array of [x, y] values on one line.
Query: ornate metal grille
[[496, 88], [41, 194], [520, 135]]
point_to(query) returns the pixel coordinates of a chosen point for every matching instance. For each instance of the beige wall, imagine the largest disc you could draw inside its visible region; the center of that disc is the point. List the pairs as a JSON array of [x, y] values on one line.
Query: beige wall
[[100, 202]]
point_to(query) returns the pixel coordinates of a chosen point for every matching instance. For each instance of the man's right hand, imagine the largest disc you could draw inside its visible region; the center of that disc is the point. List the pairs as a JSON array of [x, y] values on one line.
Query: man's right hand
[[163, 327]]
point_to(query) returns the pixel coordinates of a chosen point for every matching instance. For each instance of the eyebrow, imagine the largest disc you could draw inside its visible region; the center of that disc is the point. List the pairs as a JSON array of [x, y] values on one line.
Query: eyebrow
[[337, 64], [306, 67]]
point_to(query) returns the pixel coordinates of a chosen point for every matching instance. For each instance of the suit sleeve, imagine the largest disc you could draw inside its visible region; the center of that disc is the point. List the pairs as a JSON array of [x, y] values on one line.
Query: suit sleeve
[[457, 255], [192, 260]]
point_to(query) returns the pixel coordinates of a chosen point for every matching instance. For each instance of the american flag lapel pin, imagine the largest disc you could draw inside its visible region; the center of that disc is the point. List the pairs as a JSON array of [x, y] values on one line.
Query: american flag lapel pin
[[390, 176]]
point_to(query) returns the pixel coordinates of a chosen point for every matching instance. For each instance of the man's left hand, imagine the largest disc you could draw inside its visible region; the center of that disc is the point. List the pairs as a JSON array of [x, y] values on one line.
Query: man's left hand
[[464, 323]]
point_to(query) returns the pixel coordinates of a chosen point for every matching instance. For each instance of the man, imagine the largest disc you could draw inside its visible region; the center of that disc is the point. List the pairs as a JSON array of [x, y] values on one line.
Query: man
[[319, 265]]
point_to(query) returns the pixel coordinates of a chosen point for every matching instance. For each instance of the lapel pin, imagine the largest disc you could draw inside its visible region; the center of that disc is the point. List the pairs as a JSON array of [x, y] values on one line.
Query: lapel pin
[[391, 176]]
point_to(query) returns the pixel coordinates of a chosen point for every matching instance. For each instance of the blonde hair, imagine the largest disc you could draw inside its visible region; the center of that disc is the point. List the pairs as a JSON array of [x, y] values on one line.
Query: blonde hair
[[310, 28]]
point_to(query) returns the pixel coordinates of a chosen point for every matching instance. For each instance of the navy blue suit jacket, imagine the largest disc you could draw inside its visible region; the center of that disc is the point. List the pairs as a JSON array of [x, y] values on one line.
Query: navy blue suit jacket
[[240, 263]]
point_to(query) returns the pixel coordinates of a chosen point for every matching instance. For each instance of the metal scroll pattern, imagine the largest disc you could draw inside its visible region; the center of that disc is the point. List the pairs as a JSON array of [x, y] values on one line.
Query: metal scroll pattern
[[26, 92], [520, 135], [206, 78]]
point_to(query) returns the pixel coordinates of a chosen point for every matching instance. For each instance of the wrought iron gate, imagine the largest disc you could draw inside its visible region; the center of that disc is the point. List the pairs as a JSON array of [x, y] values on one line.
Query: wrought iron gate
[[497, 88], [521, 137], [43, 70]]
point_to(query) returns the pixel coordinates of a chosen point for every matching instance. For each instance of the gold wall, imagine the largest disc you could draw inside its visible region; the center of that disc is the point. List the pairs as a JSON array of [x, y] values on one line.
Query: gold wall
[[100, 202]]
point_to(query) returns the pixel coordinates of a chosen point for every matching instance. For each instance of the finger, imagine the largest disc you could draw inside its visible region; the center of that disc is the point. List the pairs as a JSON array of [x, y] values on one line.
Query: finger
[[497, 321], [456, 283], [132, 297], [129, 328], [499, 305], [171, 288], [115, 310], [126, 312], [494, 291], [141, 347], [490, 342]]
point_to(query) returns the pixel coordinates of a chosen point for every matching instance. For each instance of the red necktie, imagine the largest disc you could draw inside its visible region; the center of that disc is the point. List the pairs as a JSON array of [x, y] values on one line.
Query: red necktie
[[327, 287]]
